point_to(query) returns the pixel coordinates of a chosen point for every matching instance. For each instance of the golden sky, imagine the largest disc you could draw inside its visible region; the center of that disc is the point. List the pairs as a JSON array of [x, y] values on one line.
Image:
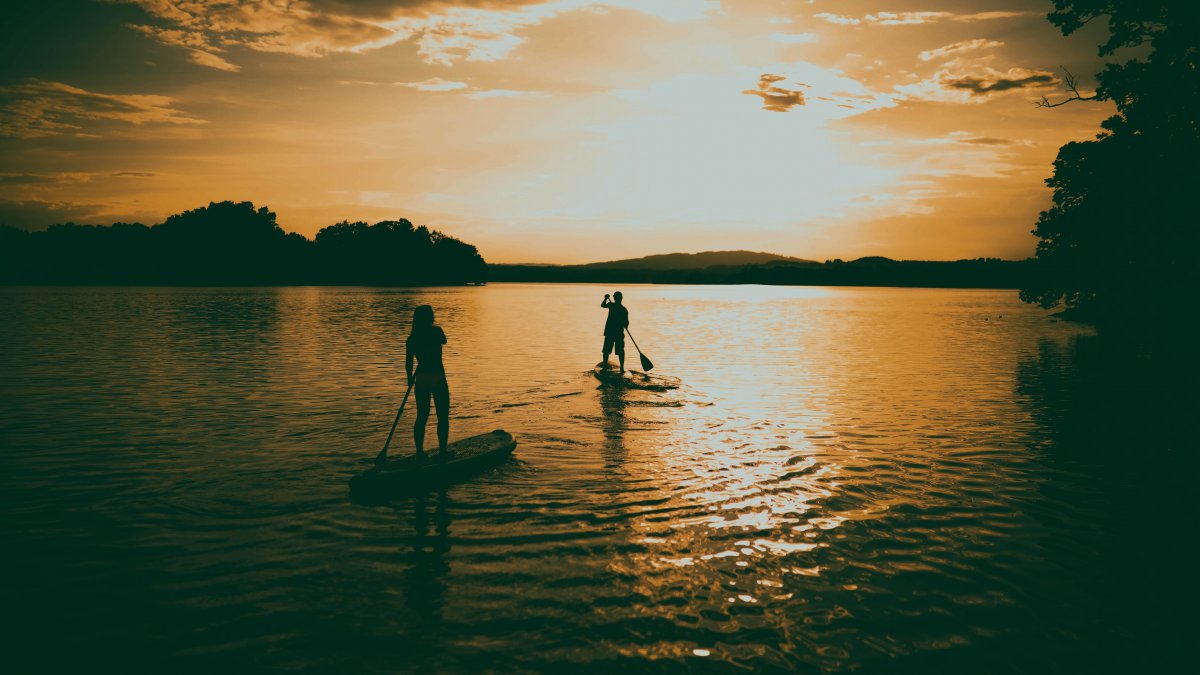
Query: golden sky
[[559, 131]]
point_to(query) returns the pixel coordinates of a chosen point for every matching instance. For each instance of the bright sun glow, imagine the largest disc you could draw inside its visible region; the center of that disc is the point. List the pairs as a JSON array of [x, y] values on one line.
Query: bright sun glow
[[562, 131]]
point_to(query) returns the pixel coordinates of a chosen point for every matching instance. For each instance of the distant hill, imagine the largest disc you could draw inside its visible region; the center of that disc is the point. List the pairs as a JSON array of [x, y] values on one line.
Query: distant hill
[[692, 261], [745, 267]]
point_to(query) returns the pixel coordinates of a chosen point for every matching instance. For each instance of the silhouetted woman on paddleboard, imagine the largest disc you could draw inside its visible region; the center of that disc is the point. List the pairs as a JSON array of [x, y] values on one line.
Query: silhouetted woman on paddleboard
[[425, 345]]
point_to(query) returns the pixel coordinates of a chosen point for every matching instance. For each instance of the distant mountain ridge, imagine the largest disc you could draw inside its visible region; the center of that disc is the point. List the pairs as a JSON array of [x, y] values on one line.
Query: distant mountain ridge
[[692, 261], [747, 267]]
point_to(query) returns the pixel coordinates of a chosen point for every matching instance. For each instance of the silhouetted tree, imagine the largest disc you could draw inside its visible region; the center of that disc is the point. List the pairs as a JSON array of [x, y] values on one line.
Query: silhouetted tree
[[14, 253], [234, 243], [396, 252], [1117, 245], [227, 242]]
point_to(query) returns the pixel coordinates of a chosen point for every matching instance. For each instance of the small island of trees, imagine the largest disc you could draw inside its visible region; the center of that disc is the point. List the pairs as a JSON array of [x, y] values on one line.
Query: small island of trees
[[235, 244]]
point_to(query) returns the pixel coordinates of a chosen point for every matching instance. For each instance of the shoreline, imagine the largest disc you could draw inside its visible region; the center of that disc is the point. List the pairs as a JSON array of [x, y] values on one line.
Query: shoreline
[[9, 284]]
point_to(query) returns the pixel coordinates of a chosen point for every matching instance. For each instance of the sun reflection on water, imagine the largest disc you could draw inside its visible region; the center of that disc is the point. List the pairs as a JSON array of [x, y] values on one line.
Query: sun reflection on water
[[845, 477], [749, 515]]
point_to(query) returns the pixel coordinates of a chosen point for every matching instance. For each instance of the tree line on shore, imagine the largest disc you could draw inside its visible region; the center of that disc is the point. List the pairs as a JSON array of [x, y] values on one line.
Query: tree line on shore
[[1117, 246], [234, 243]]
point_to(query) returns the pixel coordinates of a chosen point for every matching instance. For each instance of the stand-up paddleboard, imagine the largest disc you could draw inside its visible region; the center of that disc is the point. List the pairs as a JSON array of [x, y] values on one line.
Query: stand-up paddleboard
[[634, 379], [468, 456]]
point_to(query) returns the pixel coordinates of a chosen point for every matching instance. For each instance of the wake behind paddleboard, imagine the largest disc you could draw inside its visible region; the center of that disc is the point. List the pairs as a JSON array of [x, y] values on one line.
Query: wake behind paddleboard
[[634, 379], [468, 456]]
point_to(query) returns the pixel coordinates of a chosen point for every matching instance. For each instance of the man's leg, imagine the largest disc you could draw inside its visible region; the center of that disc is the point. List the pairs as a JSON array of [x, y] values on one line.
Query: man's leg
[[621, 352], [608, 345]]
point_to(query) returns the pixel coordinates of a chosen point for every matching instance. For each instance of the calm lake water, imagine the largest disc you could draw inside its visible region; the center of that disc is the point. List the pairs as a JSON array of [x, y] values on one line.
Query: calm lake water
[[848, 479]]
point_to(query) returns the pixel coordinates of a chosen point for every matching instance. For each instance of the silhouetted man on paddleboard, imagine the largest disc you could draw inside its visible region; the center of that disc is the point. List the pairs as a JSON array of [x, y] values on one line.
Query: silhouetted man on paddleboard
[[614, 328]]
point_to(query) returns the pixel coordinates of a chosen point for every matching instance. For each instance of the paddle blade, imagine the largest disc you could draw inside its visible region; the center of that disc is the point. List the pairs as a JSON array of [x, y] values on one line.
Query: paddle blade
[[646, 365]]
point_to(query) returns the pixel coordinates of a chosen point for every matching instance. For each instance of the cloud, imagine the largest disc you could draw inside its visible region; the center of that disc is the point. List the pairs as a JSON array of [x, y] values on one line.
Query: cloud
[[200, 50], [437, 84], [987, 140], [925, 219], [838, 19], [38, 215], [994, 82], [445, 32], [38, 108], [434, 84], [959, 47], [210, 60], [972, 83], [64, 178], [41, 178], [914, 18], [472, 35], [496, 93], [965, 137], [776, 99], [794, 38]]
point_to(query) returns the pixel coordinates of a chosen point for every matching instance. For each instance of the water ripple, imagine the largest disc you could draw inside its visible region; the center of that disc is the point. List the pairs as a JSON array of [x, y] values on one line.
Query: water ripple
[[845, 480]]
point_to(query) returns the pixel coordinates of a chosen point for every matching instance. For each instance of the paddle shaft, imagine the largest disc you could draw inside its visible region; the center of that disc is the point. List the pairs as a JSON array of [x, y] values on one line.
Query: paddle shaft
[[634, 341], [646, 364], [383, 452]]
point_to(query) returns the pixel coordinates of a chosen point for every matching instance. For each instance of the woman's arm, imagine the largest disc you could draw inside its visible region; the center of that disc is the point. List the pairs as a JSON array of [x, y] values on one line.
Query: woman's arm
[[408, 364]]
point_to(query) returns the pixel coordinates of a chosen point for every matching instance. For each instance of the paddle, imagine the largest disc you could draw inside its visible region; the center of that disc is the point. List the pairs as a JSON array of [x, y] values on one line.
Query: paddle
[[382, 456], [646, 364]]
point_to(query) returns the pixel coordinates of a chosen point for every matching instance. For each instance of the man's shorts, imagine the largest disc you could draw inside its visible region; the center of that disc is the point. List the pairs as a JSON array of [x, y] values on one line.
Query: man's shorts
[[617, 341]]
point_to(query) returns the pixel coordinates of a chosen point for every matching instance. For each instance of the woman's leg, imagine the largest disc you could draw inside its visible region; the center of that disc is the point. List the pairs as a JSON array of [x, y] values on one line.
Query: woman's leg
[[441, 398], [423, 394]]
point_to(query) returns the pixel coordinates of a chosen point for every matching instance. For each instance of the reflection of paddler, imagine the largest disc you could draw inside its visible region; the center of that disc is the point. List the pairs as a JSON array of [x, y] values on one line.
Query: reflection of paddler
[[613, 404], [614, 424], [614, 328], [426, 588], [425, 345], [633, 379]]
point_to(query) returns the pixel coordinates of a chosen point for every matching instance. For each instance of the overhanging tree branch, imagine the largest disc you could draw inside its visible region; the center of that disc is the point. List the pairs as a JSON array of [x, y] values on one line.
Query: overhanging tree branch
[[1071, 82]]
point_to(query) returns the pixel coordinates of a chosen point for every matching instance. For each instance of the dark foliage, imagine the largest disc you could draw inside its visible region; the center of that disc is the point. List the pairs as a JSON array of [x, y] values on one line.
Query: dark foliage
[[396, 252], [1116, 245], [228, 243]]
